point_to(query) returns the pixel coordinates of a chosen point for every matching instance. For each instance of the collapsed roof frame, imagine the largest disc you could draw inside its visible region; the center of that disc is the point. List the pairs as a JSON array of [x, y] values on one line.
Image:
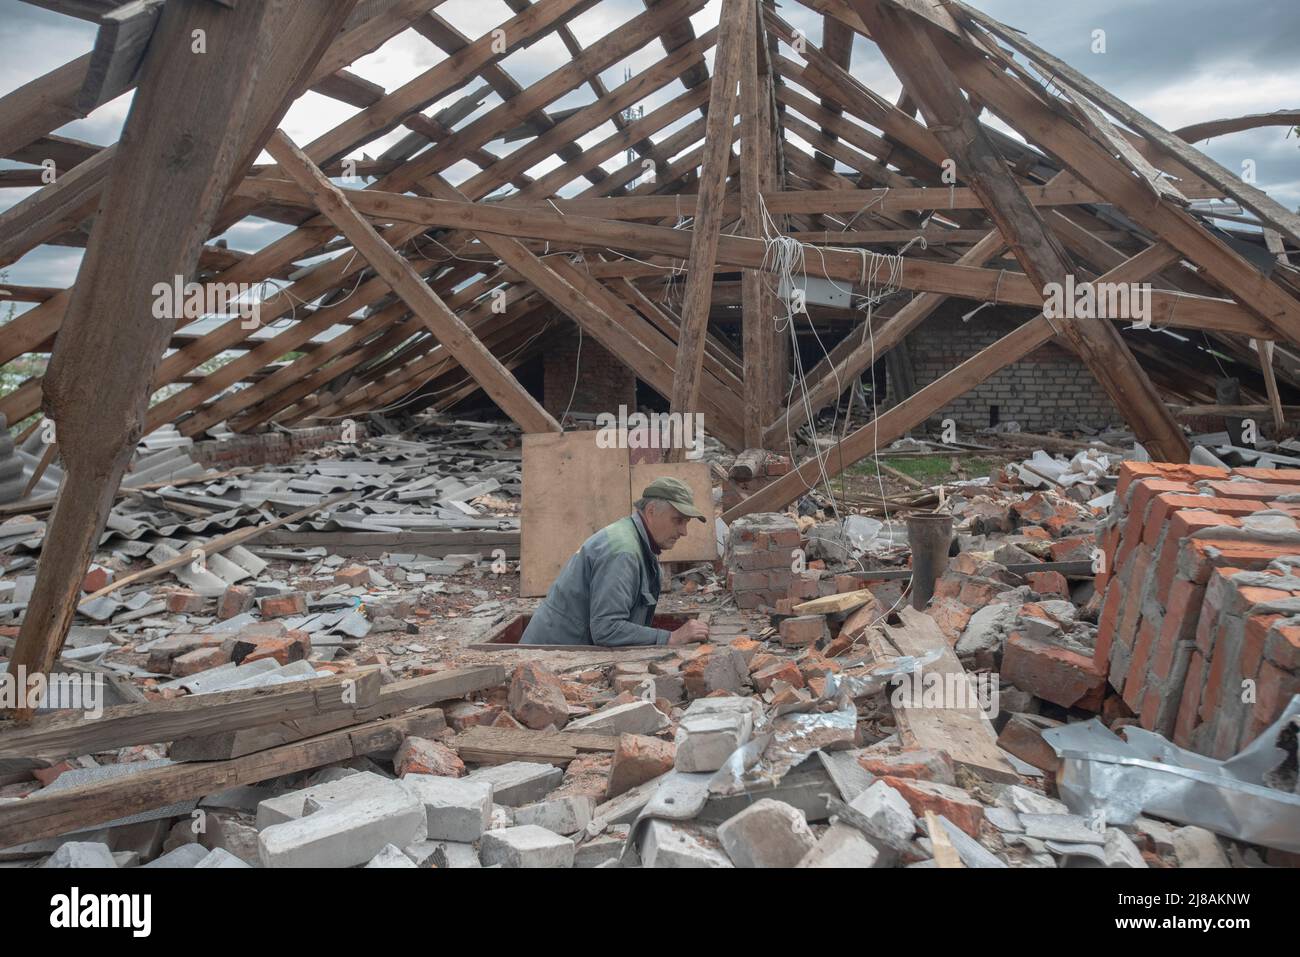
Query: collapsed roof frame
[[433, 322]]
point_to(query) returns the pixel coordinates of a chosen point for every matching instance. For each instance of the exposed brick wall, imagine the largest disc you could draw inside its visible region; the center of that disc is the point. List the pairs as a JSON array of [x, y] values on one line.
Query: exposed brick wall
[[1048, 389], [1199, 628], [604, 382], [264, 448]]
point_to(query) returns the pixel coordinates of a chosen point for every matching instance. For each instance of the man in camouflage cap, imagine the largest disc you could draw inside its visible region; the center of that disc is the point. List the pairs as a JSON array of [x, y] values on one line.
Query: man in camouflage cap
[[607, 591]]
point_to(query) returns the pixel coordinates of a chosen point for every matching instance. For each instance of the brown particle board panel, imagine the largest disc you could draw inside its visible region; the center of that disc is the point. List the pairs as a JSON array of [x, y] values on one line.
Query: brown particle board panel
[[572, 488]]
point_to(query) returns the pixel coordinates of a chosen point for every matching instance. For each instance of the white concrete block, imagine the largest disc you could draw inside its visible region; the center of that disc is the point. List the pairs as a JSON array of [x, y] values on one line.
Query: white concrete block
[[457, 809], [526, 846]]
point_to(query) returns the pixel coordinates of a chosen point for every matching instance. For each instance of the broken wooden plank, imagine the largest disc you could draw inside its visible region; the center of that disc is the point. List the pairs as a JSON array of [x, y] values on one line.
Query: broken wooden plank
[[420, 692], [486, 745], [450, 330], [52, 737], [51, 813], [945, 854], [835, 604]]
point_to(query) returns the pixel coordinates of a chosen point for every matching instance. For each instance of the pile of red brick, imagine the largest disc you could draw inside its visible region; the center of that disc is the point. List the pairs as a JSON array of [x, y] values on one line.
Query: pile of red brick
[[761, 557], [1200, 620]]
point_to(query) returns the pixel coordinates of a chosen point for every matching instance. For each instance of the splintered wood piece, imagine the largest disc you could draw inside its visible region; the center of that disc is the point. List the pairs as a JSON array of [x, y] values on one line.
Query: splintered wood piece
[[945, 854], [486, 745], [50, 813], [835, 604]]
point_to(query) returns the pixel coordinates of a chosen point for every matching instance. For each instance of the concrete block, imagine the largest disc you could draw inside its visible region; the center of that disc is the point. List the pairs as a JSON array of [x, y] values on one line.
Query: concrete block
[[565, 815], [601, 849], [887, 810], [187, 855], [345, 833], [1197, 847], [526, 846], [457, 809], [1062, 828], [841, 846], [1120, 851], [668, 845], [519, 782], [81, 854], [221, 858], [442, 854], [768, 834], [290, 807], [704, 742], [637, 717]]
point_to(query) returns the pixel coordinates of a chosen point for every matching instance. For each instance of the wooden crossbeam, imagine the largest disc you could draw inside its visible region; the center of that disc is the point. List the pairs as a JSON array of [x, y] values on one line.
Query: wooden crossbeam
[[1173, 309]]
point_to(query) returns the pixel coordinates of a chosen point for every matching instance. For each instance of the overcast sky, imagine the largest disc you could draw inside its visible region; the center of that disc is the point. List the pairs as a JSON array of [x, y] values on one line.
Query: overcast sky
[[1178, 61]]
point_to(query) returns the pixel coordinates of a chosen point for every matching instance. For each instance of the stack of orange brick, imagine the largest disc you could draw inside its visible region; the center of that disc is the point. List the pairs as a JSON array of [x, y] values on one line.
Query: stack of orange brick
[[1200, 622]]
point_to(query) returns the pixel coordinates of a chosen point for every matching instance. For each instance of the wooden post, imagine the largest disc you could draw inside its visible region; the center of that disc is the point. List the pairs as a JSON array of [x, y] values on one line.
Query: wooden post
[[732, 32], [763, 345]]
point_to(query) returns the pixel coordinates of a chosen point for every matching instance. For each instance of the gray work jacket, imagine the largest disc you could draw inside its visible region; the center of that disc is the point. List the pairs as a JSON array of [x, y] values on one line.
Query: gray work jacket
[[606, 593]]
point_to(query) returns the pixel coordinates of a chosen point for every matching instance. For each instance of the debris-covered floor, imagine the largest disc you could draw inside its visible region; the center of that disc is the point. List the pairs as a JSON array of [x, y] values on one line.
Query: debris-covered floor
[[343, 689]]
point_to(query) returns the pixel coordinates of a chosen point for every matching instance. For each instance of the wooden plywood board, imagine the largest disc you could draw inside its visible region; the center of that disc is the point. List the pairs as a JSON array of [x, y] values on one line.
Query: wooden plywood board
[[700, 543], [572, 488]]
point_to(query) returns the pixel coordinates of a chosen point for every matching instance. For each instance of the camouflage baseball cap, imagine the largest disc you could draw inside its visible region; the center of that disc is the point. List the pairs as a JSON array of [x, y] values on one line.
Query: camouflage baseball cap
[[676, 492]]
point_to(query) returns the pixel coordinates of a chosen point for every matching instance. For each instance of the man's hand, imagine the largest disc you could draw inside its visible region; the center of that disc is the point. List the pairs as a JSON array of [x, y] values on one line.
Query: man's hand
[[691, 632]]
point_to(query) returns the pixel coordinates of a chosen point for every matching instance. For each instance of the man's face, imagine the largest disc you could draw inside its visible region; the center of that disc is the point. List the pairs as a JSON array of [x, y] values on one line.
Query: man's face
[[665, 524]]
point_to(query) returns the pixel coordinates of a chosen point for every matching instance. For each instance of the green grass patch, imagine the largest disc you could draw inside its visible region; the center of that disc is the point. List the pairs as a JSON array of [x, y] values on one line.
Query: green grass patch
[[928, 469]]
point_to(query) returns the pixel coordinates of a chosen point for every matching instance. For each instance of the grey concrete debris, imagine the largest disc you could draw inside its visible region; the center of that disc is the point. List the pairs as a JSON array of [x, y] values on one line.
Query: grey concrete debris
[[637, 717], [457, 809], [769, 834], [345, 833], [711, 730], [442, 854], [526, 846], [1197, 847], [291, 806], [1064, 828], [391, 856], [564, 815], [219, 857], [888, 811], [187, 855], [81, 854], [665, 844], [841, 846], [519, 782]]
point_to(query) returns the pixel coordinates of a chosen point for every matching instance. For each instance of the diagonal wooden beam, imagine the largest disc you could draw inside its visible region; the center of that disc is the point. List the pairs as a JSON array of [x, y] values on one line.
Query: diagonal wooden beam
[[1251, 197], [191, 129], [828, 384], [1095, 166], [477, 360], [911, 52], [910, 413]]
